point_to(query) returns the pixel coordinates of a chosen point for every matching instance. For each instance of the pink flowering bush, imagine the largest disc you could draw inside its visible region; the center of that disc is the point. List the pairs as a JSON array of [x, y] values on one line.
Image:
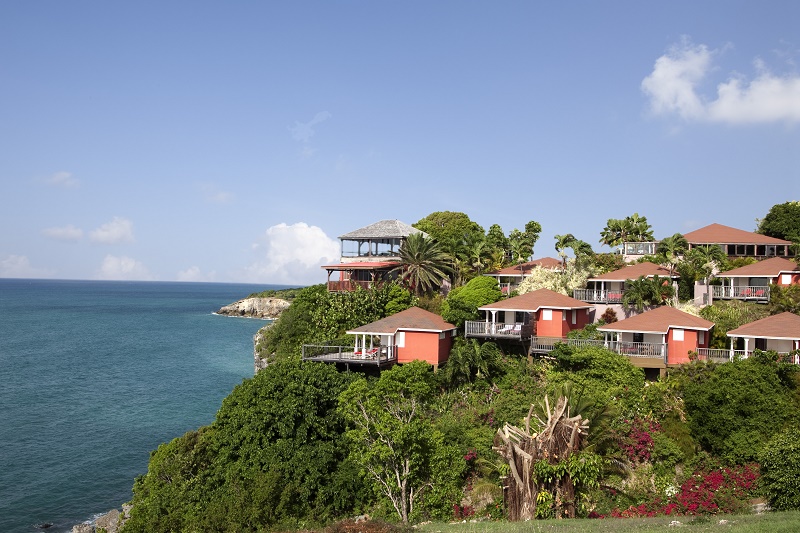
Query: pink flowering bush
[[720, 490], [635, 439]]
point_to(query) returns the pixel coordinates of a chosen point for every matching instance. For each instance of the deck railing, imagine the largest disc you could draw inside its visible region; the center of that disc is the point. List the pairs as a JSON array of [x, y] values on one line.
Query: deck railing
[[737, 292], [630, 349], [326, 352], [349, 285], [598, 296], [511, 330]]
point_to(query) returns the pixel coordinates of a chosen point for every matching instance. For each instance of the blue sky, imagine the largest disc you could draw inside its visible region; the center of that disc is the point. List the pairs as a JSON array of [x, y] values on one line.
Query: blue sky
[[235, 141]]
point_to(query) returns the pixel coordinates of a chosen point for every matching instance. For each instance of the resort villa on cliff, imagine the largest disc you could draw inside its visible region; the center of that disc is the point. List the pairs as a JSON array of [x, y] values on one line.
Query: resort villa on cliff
[[368, 255]]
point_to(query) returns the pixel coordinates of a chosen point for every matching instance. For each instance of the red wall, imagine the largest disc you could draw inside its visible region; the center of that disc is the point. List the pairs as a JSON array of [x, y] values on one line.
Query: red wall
[[558, 327], [678, 351], [425, 346]]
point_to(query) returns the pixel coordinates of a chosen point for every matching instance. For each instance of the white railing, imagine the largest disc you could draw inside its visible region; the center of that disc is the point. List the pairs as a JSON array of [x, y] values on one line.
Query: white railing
[[719, 354], [477, 328], [598, 296], [726, 292], [630, 349], [325, 352]]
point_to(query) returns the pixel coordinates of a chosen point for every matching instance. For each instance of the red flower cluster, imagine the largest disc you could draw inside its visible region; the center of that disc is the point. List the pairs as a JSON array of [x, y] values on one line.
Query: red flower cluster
[[471, 456], [722, 490], [461, 512], [636, 439]]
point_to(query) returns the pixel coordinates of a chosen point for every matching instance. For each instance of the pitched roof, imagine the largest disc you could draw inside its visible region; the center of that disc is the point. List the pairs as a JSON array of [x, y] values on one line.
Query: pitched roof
[[525, 268], [783, 326], [767, 268], [412, 319], [532, 301], [646, 269], [659, 320], [385, 229], [719, 234]]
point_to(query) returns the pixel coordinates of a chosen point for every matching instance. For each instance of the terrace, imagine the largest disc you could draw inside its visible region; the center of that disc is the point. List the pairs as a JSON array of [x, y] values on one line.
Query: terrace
[[380, 356], [598, 296], [497, 330], [650, 350], [758, 293]]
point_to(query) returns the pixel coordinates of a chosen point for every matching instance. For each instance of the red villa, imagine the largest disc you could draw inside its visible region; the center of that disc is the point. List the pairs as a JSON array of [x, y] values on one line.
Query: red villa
[[739, 243], [413, 334], [780, 333], [658, 338], [751, 282], [538, 313]]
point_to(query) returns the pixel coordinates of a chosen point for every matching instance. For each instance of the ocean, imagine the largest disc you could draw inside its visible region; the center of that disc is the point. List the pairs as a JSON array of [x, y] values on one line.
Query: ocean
[[94, 375]]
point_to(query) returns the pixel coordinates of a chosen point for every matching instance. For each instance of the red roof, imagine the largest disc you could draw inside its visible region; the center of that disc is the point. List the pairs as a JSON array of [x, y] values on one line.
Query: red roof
[[635, 271], [532, 301], [769, 268], [412, 319], [362, 265], [525, 268], [783, 326], [719, 234], [659, 320]]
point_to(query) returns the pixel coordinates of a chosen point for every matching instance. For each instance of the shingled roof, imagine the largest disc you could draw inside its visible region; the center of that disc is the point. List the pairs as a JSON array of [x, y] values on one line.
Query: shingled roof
[[719, 234], [767, 268], [533, 301], [783, 326], [412, 319], [385, 229], [634, 271], [659, 320]]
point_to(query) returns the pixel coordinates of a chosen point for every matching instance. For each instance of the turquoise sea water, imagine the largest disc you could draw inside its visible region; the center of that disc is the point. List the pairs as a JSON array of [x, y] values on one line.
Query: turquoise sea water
[[94, 375]]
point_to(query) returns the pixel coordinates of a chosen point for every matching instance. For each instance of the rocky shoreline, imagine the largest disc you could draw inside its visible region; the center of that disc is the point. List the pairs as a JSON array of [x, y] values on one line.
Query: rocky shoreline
[[265, 308]]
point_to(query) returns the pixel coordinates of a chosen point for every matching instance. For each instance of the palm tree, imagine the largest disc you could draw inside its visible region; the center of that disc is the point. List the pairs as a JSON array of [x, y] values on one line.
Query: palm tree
[[580, 248], [647, 291], [707, 260], [423, 263], [671, 249], [476, 254], [633, 228]]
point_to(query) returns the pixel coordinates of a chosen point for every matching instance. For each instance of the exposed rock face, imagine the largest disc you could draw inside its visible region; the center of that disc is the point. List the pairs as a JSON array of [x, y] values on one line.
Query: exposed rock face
[[260, 360], [255, 308]]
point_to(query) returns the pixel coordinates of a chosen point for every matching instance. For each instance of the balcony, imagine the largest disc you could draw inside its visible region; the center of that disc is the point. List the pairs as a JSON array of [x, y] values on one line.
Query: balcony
[[350, 285], [758, 293], [497, 330], [597, 296], [652, 350], [724, 355], [379, 356]]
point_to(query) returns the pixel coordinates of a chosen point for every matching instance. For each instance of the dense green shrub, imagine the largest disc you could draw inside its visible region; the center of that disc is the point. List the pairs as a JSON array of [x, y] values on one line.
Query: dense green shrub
[[463, 302], [780, 470], [274, 455], [734, 408]]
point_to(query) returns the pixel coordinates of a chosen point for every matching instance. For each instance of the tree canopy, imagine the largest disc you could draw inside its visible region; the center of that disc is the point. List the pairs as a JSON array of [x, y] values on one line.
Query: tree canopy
[[782, 222], [633, 228]]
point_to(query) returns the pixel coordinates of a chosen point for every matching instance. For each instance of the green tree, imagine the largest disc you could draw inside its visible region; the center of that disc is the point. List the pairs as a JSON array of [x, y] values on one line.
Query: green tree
[[470, 360], [782, 222], [423, 264], [392, 437], [707, 260], [462, 303], [633, 228], [275, 454], [671, 249], [643, 292], [449, 227], [497, 241], [522, 242], [735, 408], [780, 470], [783, 299], [581, 249]]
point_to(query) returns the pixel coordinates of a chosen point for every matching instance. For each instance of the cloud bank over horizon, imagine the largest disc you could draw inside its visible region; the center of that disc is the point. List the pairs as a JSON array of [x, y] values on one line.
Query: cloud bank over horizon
[[292, 255], [673, 88]]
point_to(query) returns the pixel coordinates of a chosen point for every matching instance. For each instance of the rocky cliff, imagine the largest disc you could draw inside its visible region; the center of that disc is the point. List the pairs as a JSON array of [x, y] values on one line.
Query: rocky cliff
[[255, 308]]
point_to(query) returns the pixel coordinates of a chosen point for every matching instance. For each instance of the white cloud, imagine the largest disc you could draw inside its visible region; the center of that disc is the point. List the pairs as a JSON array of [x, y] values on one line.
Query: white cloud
[[118, 230], [672, 87], [122, 268], [19, 266], [194, 273], [65, 233], [292, 255], [62, 179], [303, 131]]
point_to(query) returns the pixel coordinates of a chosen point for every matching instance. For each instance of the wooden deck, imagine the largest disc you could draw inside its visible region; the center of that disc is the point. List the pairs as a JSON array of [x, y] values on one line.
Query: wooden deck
[[379, 357]]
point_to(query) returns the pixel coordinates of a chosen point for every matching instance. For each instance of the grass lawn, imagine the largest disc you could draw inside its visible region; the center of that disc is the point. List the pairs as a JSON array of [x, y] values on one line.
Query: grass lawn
[[772, 522]]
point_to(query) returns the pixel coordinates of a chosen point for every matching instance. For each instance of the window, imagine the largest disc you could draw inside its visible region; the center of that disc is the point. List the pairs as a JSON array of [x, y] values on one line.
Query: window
[[401, 339], [761, 344], [677, 334], [701, 337], [574, 316], [547, 314], [786, 279], [638, 337]]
